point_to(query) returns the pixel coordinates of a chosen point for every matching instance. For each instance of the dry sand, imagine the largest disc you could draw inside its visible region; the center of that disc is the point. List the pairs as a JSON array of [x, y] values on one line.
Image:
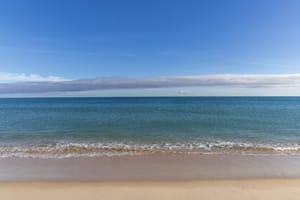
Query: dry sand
[[205, 189]]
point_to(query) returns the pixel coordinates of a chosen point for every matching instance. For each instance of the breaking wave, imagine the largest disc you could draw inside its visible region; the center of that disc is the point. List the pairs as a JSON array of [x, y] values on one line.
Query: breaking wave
[[67, 150]]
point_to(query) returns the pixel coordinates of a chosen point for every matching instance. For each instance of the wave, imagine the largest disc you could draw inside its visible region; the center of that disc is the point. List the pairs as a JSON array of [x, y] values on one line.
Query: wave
[[67, 150]]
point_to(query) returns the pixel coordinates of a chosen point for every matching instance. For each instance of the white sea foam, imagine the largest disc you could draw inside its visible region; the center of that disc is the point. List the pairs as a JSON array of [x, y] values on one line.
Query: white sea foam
[[66, 150]]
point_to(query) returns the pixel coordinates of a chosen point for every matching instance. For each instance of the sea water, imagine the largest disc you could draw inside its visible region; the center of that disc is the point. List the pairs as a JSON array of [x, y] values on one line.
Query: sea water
[[72, 127]]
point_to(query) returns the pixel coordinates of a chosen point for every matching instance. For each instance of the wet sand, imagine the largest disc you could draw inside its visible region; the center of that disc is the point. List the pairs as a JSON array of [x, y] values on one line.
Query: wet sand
[[156, 167]]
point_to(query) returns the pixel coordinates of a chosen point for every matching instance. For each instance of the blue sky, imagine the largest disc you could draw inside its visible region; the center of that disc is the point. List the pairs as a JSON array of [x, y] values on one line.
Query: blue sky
[[74, 39]]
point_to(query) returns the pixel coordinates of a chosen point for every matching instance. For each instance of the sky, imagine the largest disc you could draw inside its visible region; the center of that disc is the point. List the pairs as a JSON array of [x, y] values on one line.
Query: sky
[[154, 48]]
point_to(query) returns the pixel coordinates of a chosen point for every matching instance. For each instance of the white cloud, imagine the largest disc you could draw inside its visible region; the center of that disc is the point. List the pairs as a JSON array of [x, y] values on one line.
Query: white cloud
[[56, 84], [22, 77], [183, 92]]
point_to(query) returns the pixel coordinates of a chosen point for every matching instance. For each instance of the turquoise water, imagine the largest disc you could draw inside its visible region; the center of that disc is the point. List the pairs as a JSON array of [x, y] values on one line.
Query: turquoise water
[[66, 127]]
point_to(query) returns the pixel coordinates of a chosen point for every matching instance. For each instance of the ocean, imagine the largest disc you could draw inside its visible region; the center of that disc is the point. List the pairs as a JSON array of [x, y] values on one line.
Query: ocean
[[78, 127]]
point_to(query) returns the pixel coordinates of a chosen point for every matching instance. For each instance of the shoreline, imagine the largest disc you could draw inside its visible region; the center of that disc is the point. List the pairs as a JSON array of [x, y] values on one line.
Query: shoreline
[[201, 189], [86, 149]]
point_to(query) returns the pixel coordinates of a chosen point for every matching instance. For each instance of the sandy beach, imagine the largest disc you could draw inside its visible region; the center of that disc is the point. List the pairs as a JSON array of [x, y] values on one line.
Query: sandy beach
[[146, 177], [218, 189]]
